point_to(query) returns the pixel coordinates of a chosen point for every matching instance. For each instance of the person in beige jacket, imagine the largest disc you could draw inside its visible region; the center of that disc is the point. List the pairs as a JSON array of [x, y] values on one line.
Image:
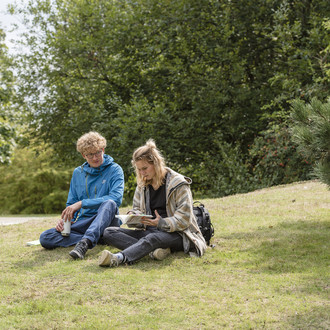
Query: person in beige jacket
[[166, 195]]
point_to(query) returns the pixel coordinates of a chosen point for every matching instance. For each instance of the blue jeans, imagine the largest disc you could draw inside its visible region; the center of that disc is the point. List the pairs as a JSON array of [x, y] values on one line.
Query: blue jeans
[[135, 244], [91, 228]]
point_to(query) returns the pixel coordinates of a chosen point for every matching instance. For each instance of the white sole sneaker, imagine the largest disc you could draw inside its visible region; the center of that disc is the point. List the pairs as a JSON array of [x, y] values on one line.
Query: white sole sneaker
[[107, 259], [160, 254]]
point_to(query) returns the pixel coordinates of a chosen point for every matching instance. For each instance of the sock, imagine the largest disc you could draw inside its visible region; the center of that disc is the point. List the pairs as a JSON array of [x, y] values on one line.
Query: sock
[[120, 257]]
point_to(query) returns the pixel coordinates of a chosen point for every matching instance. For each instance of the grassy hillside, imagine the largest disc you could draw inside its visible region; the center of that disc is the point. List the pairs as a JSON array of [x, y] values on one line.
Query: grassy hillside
[[269, 269]]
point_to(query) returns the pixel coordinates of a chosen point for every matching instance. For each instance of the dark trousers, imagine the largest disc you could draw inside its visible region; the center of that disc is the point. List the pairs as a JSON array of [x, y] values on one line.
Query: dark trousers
[[135, 244], [91, 228]]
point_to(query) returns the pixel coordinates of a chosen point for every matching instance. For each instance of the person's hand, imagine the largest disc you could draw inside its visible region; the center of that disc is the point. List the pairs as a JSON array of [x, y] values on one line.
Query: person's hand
[[60, 225], [69, 211], [151, 222]]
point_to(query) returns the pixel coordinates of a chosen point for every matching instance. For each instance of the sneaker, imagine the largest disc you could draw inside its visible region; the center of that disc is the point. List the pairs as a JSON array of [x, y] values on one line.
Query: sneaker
[[79, 250], [107, 259], [160, 254]]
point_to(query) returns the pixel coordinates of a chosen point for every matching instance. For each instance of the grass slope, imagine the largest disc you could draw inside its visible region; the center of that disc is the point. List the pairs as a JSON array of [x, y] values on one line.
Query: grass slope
[[268, 269]]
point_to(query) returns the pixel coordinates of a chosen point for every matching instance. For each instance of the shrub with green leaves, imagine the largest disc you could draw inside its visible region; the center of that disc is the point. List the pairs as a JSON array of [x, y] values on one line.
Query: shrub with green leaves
[[130, 185], [274, 159], [225, 173], [32, 184]]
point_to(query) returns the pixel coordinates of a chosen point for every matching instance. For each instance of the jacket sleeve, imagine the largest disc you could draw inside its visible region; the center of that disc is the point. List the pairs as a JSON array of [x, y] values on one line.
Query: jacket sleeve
[[179, 207], [116, 191]]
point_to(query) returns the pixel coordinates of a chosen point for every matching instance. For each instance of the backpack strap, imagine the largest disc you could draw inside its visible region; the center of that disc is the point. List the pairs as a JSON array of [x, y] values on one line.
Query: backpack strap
[[200, 207]]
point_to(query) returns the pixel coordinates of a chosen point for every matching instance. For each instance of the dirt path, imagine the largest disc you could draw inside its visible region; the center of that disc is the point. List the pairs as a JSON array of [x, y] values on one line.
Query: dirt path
[[5, 221]]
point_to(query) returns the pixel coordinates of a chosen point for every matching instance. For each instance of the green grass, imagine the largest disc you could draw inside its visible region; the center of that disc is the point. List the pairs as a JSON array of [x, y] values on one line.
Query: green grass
[[269, 269]]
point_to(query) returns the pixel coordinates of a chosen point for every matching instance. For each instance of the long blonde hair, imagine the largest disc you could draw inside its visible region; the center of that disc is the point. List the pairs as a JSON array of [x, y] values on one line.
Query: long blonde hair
[[152, 155]]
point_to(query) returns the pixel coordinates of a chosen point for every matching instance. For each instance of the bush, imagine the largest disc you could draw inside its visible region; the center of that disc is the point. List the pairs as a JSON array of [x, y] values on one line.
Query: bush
[[274, 159], [54, 202], [219, 175], [32, 185], [130, 185]]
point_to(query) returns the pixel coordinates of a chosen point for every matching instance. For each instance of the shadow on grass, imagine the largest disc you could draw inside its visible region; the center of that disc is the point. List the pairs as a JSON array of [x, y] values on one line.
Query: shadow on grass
[[300, 251], [317, 318], [288, 247]]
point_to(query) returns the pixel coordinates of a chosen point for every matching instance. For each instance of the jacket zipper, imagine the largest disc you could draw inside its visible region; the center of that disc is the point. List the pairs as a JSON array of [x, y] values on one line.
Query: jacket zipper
[[86, 186]]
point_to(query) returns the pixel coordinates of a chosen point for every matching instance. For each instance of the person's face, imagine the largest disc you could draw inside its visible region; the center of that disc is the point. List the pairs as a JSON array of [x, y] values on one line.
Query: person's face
[[94, 157], [146, 170]]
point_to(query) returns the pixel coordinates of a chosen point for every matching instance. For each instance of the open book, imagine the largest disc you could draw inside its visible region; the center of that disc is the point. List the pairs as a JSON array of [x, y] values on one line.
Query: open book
[[132, 219]]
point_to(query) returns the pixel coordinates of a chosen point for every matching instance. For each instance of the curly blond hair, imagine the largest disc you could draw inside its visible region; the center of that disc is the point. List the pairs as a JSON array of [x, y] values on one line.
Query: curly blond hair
[[91, 142], [152, 155]]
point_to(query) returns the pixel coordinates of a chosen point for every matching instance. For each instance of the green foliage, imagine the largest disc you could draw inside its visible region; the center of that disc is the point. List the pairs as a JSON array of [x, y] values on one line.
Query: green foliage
[[32, 184], [7, 132], [311, 130], [299, 38], [200, 77], [324, 59], [274, 159], [130, 185], [220, 175]]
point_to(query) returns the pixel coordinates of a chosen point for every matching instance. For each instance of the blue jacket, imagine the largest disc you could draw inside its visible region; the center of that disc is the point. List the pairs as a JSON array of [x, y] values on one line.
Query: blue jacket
[[93, 186]]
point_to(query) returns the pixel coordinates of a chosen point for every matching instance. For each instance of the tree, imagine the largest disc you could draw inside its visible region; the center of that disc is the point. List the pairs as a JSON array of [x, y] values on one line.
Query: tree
[[7, 132], [198, 76], [311, 130]]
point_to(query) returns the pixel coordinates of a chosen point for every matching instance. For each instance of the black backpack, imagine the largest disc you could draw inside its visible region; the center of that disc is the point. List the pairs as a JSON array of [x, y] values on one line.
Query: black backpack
[[204, 221]]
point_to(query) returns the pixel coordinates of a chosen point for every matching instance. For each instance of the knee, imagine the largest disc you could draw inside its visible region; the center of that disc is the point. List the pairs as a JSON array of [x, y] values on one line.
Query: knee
[[108, 233], [110, 204], [151, 240], [45, 242]]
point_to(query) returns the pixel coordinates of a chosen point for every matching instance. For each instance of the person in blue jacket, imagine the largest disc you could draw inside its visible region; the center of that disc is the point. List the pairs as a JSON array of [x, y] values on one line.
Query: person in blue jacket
[[96, 192]]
